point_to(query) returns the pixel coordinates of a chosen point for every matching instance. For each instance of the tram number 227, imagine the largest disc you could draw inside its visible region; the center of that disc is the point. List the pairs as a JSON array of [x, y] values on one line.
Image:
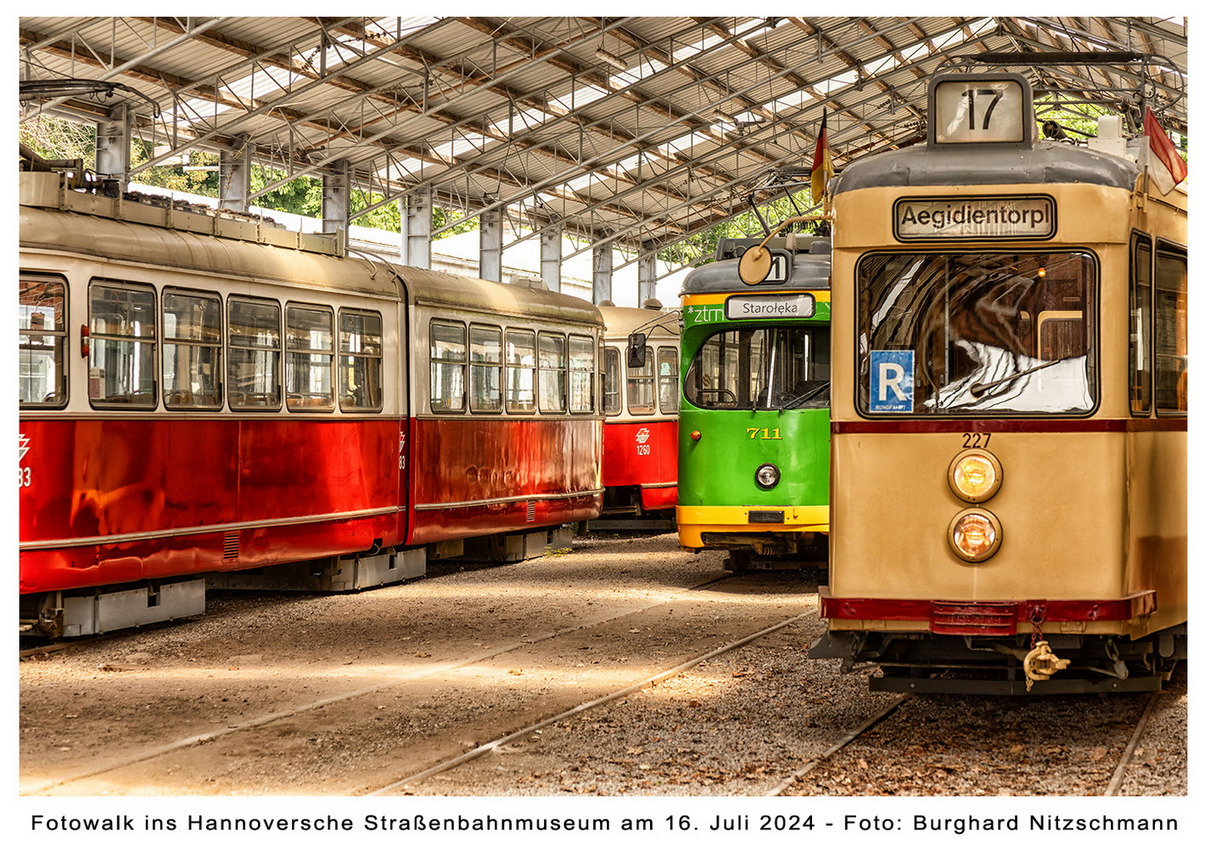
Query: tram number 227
[[764, 433]]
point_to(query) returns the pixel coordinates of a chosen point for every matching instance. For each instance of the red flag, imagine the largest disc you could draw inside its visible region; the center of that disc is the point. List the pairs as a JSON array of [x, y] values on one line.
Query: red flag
[[1163, 162], [821, 167]]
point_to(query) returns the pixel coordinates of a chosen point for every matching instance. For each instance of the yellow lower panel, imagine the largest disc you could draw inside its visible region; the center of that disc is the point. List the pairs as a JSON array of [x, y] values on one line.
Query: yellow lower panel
[[692, 522]]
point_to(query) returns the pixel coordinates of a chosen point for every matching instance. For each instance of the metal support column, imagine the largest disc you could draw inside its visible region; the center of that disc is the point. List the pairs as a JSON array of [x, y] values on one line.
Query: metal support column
[[602, 273], [647, 272], [235, 176], [113, 146], [491, 245], [417, 217], [337, 199], [551, 257]]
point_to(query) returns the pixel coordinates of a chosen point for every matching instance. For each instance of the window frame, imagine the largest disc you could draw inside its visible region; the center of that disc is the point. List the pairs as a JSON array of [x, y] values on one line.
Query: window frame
[[583, 379], [1146, 346], [59, 350], [278, 350], [1091, 317], [329, 353], [559, 372], [479, 368], [645, 375], [511, 407], [346, 362], [668, 353], [94, 337], [460, 365], [611, 380], [219, 347], [1164, 249], [734, 358]]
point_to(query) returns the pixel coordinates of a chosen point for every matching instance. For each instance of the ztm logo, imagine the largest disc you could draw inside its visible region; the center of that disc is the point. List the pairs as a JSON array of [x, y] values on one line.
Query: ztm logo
[[642, 436], [22, 446]]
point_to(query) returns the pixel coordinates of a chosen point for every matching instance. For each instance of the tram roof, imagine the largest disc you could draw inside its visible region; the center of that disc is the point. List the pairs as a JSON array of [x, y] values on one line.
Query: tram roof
[[634, 131], [66, 222], [984, 165], [656, 322], [811, 269]]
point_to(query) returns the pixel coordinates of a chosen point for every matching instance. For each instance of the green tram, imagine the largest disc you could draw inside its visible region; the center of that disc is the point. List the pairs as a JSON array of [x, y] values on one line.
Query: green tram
[[754, 426]]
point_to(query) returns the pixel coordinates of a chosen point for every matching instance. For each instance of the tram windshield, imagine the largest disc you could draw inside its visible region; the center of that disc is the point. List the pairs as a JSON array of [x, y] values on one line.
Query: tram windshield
[[762, 368], [994, 334]]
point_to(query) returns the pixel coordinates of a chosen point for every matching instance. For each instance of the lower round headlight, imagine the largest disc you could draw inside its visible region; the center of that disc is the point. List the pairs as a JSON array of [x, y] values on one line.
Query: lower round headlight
[[767, 476], [975, 535]]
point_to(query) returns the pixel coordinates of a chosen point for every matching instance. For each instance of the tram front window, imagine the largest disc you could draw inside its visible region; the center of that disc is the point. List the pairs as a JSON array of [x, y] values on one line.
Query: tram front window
[[763, 368], [944, 334]]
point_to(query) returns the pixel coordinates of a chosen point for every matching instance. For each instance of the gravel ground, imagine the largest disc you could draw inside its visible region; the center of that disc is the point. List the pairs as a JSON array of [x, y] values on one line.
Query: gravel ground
[[400, 678]]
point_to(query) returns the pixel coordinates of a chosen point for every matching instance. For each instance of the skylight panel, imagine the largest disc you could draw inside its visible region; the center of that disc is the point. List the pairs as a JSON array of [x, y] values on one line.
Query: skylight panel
[[525, 119], [453, 149], [581, 97], [700, 46]]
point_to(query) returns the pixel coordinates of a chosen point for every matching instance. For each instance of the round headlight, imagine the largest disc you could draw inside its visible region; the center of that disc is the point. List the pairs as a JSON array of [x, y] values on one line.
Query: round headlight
[[767, 476], [975, 535], [975, 475]]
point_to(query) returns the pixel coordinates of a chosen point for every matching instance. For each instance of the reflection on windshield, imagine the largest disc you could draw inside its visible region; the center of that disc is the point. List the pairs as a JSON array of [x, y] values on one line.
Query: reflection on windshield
[[767, 368], [967, 333]]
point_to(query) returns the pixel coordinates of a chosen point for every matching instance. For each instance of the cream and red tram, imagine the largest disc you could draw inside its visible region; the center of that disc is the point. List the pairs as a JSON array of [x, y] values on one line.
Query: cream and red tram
[[202, 394], [1009, 410], [640, 398]]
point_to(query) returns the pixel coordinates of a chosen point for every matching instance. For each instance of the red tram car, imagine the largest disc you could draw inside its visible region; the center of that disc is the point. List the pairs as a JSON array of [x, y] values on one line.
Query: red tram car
[[640, 397], [202, 393]]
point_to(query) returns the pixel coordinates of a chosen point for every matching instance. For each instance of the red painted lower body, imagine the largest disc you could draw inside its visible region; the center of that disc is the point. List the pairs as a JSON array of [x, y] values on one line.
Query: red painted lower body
[[984, 618], [117, 500], [110, 501], [473, 476], [642, 454]]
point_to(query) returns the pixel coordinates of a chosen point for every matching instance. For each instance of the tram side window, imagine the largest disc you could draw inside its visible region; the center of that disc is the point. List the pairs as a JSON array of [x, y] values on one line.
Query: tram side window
[[552, 373], [668, 367], [309, 358], [253, 354], [640, 386], [42, 322], [1140, 329], [486, 365], [582, 364], [192, 350], [447, 362], [520, 361], [611, 381], [360, 368], [122, 339], [1171, 334]]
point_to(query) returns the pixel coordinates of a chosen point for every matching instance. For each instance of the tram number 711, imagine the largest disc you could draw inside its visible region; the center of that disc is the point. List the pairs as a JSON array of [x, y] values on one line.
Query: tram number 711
[[764, 433]]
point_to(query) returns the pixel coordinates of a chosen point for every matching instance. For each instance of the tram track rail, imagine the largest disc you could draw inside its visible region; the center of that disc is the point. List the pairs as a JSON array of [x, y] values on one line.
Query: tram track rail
[[213, 734], [1114, 788], [873, 720], [486, 748]]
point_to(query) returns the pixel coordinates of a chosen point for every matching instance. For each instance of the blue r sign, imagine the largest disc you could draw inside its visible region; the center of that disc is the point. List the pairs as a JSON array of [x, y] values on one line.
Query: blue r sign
[[892, 376]]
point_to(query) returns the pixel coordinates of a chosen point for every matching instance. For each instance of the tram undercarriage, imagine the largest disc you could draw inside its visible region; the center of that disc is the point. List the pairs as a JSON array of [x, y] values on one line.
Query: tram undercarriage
[[1061, 664], [749, 552]]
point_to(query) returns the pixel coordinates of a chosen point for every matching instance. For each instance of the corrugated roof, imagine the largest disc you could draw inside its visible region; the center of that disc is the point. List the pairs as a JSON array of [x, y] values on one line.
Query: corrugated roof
[[634, 130]]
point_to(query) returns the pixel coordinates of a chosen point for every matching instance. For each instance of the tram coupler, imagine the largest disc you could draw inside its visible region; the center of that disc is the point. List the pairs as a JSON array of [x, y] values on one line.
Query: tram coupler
[[1041, 663]]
